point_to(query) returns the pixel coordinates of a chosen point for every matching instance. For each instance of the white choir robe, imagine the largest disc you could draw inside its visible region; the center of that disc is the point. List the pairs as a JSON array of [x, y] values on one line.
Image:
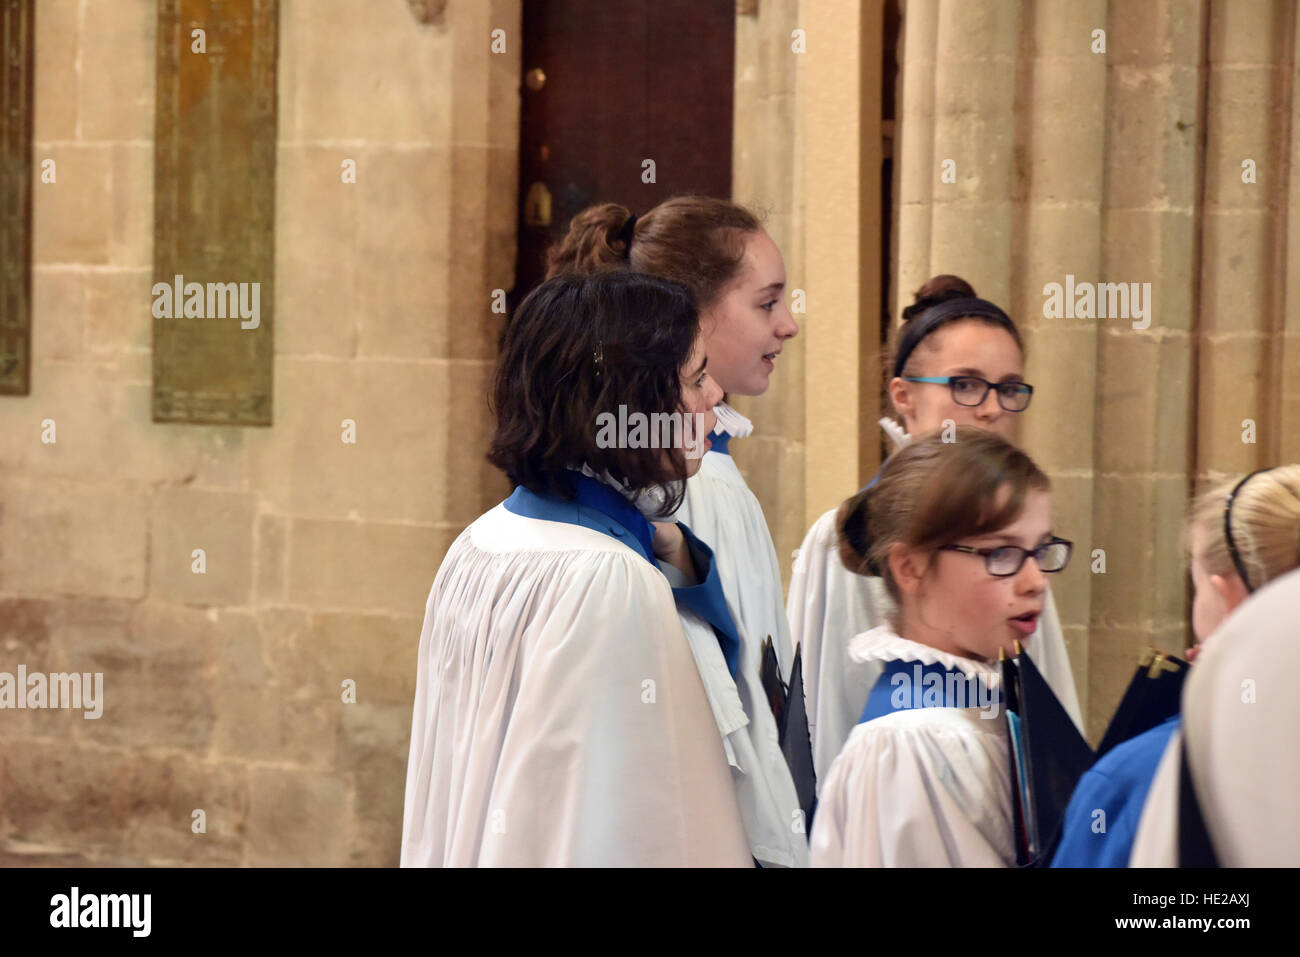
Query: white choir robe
[[722, 511], [928, 787], [828, 605], [769, 803], [560, 717], [720, 508]]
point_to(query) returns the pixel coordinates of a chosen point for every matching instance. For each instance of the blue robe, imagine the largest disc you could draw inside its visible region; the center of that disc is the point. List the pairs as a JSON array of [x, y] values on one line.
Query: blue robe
[[1117, 785]]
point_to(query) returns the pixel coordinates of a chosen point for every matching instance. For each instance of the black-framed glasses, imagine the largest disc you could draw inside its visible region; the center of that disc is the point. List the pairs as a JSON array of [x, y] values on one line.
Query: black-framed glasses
[[1006, 560], [971, 390]]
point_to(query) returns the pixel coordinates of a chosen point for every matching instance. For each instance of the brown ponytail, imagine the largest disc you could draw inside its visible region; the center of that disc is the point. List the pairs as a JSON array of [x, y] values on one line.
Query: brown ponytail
[[697, 241], [593, 243]]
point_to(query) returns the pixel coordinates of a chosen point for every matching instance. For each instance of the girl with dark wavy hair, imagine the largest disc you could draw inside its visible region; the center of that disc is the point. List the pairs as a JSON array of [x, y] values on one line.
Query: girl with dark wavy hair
[[560, 717]]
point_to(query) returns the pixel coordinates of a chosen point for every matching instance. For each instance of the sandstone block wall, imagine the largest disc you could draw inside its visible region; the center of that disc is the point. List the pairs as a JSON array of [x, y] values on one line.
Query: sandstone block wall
[[1117, 166], [223, 690]]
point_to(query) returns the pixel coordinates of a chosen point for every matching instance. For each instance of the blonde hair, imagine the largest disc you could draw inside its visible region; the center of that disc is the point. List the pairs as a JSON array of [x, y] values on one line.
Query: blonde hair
[[1265, 525]]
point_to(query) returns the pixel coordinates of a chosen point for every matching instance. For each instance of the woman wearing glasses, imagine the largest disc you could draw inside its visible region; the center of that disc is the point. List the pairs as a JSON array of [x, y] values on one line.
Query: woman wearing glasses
[[957, 360], [960, 534]]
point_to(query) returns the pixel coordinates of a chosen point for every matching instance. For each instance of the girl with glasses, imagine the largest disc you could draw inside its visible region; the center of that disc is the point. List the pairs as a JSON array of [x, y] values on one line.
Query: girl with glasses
[[956, 361], [1240, 535], [960, 535]]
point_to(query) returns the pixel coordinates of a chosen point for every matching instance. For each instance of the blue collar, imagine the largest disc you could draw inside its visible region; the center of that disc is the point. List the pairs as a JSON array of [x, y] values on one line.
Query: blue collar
[[595, 505], [905, 685], [719, 442], [599, 496], [602, 509]]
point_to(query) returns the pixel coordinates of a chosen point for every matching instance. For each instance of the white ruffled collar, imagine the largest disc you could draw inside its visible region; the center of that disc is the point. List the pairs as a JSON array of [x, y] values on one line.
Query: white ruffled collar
[[651, 503], [883, 644], [896, 433], [732, 422]]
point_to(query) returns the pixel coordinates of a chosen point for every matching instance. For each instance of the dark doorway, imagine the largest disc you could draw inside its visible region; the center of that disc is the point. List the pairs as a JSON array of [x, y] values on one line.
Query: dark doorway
[[607, 86], [889, 305]]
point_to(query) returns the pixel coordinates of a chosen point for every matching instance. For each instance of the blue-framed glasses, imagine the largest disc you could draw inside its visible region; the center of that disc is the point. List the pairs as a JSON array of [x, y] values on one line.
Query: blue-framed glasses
[[971, 390], [1007, 560]]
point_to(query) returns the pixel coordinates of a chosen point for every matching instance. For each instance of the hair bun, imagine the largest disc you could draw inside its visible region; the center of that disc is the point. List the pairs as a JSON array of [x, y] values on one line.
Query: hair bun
[[593, 243], [852, 524], [938, 289]]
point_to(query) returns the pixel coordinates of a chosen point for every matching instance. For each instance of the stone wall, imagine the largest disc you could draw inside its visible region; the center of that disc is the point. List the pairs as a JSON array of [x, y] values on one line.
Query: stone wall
[[1122, 166], [807, 156], [223, 691]]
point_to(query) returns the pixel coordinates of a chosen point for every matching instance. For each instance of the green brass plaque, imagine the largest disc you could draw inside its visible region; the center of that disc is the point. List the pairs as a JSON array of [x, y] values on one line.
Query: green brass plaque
[[214, 211], [16, 197]]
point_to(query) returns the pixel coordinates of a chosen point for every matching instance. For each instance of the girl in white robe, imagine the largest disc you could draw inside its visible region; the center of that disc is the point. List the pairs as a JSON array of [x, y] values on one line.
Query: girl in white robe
[[827, 604], [573, 707], [960, 533], [720, 251], [559, 715]]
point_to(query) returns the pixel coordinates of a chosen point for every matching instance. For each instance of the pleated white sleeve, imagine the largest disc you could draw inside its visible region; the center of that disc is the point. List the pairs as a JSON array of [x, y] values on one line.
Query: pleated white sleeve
[[559, 717], [828, 605], [720, 508], [921, 788], [723, 513]]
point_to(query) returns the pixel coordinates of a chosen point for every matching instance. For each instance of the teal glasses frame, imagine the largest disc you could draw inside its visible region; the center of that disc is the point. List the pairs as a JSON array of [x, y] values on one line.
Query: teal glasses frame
[[971, 390]]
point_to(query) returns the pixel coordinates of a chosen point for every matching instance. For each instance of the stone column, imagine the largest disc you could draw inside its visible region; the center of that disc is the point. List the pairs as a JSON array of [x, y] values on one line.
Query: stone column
[[1070, 161], [1144, 409], [808, 153], [1061, 143], [1247, 293], [766, 163]]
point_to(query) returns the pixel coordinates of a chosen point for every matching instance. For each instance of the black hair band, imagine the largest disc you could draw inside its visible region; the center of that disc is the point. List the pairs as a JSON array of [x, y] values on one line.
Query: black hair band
[[1227, 530], [945, 312]]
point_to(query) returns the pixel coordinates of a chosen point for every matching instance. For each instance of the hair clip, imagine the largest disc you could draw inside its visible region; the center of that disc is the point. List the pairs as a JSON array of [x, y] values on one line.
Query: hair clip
[[598, 356]]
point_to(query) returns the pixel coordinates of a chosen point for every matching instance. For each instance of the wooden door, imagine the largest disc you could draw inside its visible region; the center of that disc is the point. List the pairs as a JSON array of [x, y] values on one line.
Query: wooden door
[[608, 86]]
